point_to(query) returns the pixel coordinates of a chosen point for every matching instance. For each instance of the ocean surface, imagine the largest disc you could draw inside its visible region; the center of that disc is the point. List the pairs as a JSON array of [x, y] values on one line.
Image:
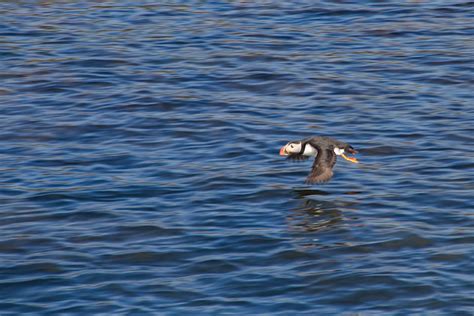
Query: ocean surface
[[140, 171]]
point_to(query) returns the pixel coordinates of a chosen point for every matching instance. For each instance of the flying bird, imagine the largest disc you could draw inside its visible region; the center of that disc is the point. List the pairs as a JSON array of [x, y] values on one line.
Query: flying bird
[[324, 149]]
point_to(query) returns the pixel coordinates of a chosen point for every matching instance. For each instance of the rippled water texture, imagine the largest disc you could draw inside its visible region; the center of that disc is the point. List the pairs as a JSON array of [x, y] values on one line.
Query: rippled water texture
[[140, 167]]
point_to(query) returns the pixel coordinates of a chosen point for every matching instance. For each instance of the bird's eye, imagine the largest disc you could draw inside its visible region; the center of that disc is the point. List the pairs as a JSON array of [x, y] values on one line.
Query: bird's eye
[[291, 146]]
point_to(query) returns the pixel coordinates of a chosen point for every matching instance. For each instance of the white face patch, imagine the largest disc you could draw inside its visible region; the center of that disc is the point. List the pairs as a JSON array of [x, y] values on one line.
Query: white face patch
[[293, 148], [338, 151]]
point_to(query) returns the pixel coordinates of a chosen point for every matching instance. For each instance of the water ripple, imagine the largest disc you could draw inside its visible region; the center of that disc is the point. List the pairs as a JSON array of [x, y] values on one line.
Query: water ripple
[[140, 167]]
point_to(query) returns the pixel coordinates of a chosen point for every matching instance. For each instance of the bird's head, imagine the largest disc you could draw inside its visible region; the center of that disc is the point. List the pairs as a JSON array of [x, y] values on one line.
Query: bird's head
[[293, 147]]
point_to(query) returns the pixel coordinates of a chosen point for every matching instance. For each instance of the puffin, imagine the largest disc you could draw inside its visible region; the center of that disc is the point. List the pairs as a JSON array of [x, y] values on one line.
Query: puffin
[[324, 149]]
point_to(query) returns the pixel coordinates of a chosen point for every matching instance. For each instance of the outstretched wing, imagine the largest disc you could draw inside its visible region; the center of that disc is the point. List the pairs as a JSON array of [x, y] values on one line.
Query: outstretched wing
[[297, 157], [322, 167]]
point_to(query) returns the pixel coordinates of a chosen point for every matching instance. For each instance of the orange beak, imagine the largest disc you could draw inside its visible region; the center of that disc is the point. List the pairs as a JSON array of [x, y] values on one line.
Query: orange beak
[[351, 159], [283, 151]]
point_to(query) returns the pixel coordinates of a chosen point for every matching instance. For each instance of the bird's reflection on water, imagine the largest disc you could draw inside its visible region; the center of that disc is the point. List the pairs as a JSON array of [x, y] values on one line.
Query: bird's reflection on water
[[314, 215], [302, 193], [316, 212]]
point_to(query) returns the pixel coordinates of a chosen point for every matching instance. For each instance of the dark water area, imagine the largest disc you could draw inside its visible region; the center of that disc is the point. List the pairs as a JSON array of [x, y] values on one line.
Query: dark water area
[[140, 167]]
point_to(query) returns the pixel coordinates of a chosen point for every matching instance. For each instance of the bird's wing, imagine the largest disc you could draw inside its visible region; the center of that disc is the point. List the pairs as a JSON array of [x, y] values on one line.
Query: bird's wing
[[297, 157], [322, 167]]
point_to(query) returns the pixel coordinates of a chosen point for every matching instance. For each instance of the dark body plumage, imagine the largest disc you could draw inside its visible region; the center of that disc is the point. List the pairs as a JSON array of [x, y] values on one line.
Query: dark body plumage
[[324, 148]]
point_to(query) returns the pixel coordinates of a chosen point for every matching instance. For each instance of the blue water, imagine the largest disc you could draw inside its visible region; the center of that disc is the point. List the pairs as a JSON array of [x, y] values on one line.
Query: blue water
[[140, 171]]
